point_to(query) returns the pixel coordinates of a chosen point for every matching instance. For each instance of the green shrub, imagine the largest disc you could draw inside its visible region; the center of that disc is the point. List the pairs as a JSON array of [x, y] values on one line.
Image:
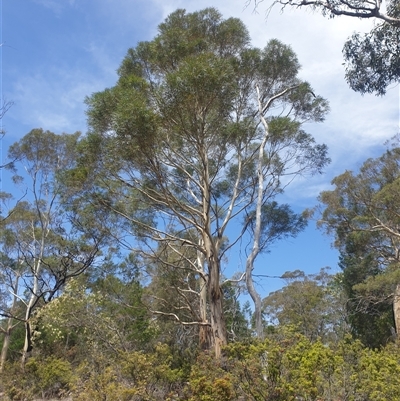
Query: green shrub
[[130, 376], [50, 377], [209, 382]]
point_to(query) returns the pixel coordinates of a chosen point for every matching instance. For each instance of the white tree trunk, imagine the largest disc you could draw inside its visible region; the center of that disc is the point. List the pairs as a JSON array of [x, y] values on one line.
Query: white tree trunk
[[396, 309]]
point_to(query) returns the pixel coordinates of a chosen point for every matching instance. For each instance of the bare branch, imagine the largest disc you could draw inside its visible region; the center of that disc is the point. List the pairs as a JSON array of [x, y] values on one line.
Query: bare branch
[[176, 317], [352, 8]]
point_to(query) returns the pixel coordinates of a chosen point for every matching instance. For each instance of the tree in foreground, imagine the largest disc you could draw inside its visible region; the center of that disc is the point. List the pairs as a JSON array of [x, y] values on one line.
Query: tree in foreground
[[362, 211], [10, 306], [373, 59], [199, 134]]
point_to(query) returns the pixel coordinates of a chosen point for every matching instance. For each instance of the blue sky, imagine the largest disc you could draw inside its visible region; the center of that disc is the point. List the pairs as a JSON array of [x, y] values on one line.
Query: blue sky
[[56, 52]]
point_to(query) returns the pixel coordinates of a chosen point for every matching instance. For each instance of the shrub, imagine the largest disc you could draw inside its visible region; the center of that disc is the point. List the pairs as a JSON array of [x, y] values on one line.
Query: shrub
[[49, 377]]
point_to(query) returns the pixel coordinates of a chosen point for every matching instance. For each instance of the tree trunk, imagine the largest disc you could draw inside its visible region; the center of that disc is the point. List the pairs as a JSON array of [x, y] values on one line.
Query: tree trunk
[[205, 337], [10, 326], [218, 327], [28, 327], [6, 344], [396, 309], [257, 230], [211, 255], [257, 301], [27, 343]]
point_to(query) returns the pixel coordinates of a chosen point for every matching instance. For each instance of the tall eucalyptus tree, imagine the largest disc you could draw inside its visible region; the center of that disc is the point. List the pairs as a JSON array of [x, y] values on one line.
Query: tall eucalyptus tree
[[199, 128]]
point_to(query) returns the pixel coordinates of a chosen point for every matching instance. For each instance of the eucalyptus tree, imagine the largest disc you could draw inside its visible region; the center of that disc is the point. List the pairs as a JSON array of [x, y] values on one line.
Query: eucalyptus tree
[[370, 312], [373, 59], [197, 122], [47, 240], [314, 304], [10, 308], [362, 212]]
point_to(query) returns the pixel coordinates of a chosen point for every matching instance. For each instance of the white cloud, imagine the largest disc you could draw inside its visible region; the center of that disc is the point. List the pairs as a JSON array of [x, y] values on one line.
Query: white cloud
[[53, 102]]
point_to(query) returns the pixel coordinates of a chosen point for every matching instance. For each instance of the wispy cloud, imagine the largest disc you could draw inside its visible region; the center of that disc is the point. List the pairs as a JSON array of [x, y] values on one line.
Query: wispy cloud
[[53, 101], [54, 5]]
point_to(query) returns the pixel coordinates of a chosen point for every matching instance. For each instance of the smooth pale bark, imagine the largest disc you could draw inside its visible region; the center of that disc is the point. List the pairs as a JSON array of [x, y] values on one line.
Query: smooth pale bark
[[36, 272], [396, 309], [258, 217], [28, 313], [6, 344], [257, 231], [10, 325], [205, 335]]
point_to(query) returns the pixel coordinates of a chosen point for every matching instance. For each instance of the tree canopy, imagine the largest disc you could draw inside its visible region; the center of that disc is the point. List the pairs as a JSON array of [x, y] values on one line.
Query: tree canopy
[[362, 213], [371, 59]]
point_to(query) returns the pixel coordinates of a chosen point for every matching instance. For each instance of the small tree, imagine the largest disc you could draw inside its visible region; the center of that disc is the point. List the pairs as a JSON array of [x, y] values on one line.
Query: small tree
[[46, 240], [313, 304]]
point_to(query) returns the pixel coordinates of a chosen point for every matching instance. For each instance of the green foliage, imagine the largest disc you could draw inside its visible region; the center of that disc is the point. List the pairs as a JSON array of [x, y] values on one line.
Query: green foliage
[[285, 367], [362, 212], [289, 367], [372, 59], [130, 376], [48, 377], [109, 317], [16, 341], [378, 374], [209, 382], [314, 304]]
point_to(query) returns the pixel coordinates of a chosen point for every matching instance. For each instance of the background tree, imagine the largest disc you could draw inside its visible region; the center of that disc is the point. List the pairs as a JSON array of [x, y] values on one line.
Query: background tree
[[238, 316], [313, 304], [93, 318], [178, 140], [371, 321], [40, 233], [372, 59], [362, 212]]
